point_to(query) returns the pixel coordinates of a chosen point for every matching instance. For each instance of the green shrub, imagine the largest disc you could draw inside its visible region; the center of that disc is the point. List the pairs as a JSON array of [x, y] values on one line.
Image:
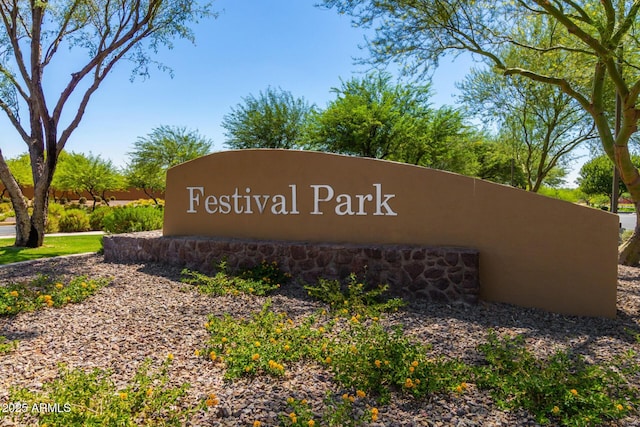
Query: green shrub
[[74, 220], [46, 291], [260, 280], [94, 399], [7, 346], [146, 202], [265, 344], [355, 298], [562, 388], [5, 207], [55, 209], [130, 219], [97, 216], [53, 224]]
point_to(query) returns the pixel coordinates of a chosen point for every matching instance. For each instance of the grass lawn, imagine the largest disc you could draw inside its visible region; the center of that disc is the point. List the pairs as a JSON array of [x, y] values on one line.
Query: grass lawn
[[53, 246]]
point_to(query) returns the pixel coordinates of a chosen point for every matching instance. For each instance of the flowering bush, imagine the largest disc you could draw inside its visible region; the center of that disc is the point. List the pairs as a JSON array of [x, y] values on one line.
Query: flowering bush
[[46, 291], [265, 344], [563, 388], [260, 280], [92, 398]]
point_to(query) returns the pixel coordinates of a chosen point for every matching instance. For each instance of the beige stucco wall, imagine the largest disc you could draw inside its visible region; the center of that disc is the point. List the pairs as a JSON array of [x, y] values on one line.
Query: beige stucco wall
[[534, 251]]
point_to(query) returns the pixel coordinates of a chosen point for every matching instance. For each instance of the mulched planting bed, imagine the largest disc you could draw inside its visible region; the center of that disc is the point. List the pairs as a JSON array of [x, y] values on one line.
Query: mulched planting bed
[[146, 312]]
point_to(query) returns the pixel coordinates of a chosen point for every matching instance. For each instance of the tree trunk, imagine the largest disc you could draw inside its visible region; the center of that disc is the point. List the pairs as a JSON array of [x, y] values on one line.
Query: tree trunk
[[629, 251]]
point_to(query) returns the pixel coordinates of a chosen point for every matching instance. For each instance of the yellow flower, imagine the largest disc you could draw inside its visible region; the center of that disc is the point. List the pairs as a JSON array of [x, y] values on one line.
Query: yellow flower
[[248, 368], [555, 410], [374, 411], [354, 319], [619, 407], [213, 356], [415, 363], [361, 394], [328, 360], [304, 401], [321, 330], [224, 339], [375, 318], [278, 331], [149, 391], [84, 285], [289, 321], [377, 363], [286, 347], [374, 414], [59, 285], [257, 343], [212, 400], [49, 303], [14, 293], [255, 357], [354, 349], [311, 423], [196, 353], [293, 417], [408, 383], [170, 357], [411, 369], [345, 396], [257, 424], [574, 391], [352, 399], [291, 400], [123, 396]]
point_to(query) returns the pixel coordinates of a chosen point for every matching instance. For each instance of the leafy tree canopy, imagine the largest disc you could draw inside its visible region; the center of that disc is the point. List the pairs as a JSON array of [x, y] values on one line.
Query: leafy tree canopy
[[96, 176], [273, 119], [163, 148]]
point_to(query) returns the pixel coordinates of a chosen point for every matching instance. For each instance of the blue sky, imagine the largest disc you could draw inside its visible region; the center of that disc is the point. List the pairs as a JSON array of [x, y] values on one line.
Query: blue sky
[[252, 45]]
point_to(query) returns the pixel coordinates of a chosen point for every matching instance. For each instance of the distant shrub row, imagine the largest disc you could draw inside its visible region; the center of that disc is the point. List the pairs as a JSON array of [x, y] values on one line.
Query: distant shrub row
[[122, 219]]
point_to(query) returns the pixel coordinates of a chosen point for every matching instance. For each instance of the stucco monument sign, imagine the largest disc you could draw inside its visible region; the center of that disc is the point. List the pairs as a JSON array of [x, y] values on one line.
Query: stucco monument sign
[[534, 251]]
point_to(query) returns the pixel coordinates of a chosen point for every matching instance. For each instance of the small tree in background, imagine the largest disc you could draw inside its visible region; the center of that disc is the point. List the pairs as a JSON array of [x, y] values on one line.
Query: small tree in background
[[596, 175], [164, 147], [273, 119], [91, 174], [539, 124]]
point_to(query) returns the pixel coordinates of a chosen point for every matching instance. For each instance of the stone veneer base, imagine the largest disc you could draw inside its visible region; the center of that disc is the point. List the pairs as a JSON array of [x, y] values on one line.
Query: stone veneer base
[[438, 274]]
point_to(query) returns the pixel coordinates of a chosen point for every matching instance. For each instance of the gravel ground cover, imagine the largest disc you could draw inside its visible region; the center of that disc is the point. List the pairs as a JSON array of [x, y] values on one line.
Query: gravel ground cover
[[146, 312]]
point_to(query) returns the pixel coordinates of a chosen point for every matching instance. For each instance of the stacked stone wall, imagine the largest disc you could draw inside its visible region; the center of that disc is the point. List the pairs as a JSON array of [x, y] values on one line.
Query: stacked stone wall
[[439, 274]]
